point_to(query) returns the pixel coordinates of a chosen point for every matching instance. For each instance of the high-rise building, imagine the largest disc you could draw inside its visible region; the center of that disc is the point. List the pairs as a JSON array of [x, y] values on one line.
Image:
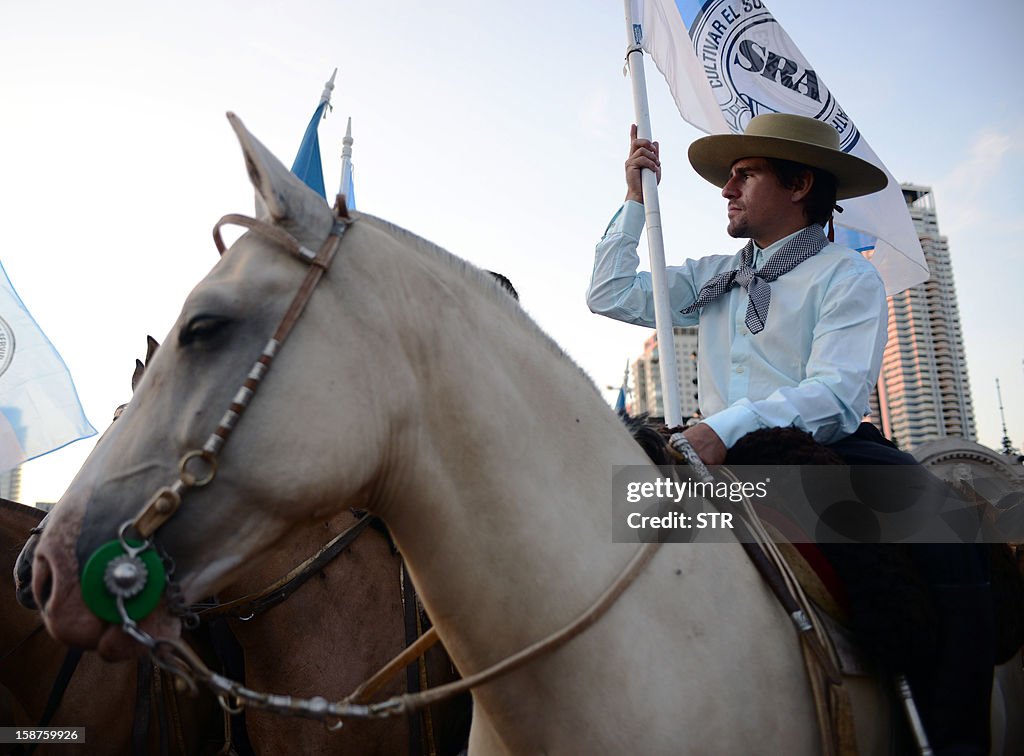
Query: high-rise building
[[923, 390], [647, 376], [10, 484]]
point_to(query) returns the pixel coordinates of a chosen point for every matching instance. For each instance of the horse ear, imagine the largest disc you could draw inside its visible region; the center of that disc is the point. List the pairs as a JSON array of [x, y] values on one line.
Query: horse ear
[[140, 366], [140, 370], [280, 195]]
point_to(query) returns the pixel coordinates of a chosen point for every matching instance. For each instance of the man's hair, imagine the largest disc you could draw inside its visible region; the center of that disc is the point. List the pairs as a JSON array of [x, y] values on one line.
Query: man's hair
[[820, 200]]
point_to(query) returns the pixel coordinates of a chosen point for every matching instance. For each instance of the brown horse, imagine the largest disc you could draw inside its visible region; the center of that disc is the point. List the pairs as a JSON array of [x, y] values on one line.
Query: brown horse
[[30, 661], [331, 634]]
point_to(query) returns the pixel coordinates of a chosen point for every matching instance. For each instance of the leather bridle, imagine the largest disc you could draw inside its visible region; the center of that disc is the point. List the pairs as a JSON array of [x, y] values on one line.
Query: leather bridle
[[126, 575], [166, 501]]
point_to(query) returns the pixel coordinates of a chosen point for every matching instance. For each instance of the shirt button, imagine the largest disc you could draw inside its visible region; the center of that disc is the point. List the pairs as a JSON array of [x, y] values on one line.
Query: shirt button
[[739, 369]]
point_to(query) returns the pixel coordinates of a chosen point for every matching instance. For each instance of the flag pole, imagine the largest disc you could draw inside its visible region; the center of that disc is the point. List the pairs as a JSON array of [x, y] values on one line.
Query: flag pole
[[655, 242], [346, 164], [325, 96]]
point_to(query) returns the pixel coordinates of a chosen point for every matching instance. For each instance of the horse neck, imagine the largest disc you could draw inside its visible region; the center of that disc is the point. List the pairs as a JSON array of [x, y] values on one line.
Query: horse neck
[[505, 484]]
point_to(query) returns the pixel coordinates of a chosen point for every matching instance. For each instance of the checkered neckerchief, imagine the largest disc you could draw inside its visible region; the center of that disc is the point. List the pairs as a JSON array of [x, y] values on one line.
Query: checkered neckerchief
[[807, 243]]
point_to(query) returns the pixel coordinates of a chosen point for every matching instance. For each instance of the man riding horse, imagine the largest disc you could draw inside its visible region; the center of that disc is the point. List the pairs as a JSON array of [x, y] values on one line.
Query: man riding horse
[[792, 331]]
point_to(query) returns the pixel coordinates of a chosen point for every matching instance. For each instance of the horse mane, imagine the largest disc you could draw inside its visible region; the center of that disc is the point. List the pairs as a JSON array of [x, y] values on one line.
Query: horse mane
[[478, 277], [780, 446], [652, 438], [766, 446]]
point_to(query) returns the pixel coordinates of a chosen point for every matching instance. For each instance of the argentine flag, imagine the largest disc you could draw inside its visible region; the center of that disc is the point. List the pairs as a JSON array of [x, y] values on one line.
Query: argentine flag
[[39, 407]]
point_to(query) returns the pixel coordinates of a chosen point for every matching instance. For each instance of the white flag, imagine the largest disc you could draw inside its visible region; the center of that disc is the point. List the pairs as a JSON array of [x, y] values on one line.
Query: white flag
[[39, 408], [727, 61]]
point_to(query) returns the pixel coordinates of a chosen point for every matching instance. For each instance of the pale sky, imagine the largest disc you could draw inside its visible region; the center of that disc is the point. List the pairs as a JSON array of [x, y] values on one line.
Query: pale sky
[[497, 130]]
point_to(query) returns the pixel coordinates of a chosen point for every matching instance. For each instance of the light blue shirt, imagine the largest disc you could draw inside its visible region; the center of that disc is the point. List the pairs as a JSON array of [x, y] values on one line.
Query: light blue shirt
[[813, 366]]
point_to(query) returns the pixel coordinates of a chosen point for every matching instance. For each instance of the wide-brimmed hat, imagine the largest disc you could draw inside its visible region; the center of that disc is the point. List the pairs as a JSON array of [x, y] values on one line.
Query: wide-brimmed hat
[[787, 137]]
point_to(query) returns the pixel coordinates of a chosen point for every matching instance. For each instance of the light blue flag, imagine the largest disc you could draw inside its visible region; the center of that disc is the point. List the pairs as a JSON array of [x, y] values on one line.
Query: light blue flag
[[348, 188], [726, 62], [39, 407], [307, 165], [620, 400]]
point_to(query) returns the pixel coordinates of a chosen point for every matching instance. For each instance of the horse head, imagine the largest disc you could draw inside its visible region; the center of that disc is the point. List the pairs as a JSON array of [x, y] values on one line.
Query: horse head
[[223, 331]]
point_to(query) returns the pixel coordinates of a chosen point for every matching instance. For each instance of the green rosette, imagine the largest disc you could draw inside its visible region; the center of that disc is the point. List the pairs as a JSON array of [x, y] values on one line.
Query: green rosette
[[102, 602]]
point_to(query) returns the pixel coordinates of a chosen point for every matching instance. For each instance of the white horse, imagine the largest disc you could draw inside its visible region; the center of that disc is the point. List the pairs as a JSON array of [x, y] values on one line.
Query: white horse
[[415, 388]]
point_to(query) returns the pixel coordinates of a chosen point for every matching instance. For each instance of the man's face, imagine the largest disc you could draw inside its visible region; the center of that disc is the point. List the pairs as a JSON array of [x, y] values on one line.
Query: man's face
[[760, 208]]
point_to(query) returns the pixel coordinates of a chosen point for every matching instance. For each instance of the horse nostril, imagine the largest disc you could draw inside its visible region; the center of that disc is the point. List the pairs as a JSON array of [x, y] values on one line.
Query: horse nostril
[[23, 593], [23, 574], [42, 581]]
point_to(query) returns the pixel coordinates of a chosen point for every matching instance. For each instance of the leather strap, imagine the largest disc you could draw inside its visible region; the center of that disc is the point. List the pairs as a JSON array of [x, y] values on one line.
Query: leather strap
[[410, 611], [140, 721], [393, 667], [254, 604], [60, 685], [34, 632], [831, 701], [164, 713]]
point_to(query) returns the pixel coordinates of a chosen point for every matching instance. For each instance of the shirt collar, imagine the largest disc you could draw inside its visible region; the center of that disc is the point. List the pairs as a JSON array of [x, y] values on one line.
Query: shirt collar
[[762, 255]]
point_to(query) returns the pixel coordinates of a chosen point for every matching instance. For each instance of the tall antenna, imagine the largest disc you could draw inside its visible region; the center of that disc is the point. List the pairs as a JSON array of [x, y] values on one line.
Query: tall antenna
[[1007, 449]]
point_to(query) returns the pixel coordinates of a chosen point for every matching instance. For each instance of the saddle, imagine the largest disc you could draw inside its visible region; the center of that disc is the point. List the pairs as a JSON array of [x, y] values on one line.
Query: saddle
[[884, 598], [874, 602], [874, 611]]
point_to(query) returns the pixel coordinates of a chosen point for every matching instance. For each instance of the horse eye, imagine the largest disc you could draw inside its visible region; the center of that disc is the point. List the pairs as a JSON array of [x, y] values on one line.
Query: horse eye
[[202, 328]]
